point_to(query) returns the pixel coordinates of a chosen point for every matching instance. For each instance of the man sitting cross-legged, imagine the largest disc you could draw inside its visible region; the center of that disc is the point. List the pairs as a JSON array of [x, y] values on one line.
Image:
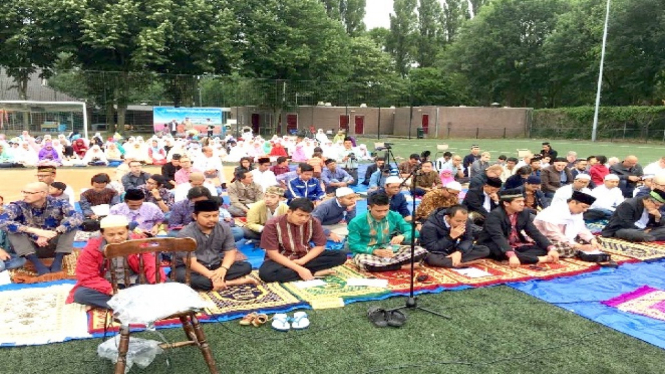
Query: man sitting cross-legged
[[448, 237], [92, 284], [372, 240], [563, 225], [440, 198], [504, 233], [334, 177], [334, 214], [271, 206], [638, 219], [213, 264], [40, 226], [287, 238], [608, 198]]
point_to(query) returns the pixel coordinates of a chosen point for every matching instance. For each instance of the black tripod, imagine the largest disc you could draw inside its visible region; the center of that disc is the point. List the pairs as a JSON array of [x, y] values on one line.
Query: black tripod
[[412, 300]]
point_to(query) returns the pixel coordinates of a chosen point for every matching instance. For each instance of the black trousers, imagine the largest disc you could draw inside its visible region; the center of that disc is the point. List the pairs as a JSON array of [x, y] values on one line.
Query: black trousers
[[198, 282], [88, 296], [354, 174], [527, 254], [270, 271], [440, 259], [251, 235]]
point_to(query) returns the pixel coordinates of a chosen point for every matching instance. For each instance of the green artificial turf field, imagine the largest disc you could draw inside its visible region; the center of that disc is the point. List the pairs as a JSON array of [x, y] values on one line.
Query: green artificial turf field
[[493, 330]]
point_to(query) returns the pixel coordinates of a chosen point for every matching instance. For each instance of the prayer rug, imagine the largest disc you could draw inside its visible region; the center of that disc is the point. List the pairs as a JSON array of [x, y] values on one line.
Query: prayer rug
[[497, 273], [639, 251], [399, 281], [336, 288], [597, 226], [27, 273], [237, 301], [565, 267], [646, 301], [39, 315]]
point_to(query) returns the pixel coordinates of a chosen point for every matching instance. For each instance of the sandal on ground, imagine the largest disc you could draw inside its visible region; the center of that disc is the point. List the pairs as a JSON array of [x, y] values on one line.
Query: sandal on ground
[[300, 321], [280, 322], [259, 320], [248, 319], [378, 316], [396, 318]]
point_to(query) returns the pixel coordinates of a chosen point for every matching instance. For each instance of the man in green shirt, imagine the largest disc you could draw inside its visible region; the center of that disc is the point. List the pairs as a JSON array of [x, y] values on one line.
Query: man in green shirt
[[372, 240]]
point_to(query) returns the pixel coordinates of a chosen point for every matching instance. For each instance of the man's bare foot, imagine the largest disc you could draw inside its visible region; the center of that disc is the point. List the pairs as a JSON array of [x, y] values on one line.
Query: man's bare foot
[[241, 281], [324, 273]]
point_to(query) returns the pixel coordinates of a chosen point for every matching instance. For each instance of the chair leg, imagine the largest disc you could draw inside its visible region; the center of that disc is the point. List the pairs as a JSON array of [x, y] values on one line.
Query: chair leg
[[187, 326], [203, 345], [123, 347]]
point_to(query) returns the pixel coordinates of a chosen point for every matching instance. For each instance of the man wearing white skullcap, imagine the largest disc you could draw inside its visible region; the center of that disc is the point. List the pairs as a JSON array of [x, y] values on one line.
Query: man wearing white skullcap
[[579, 184], [608, 197], [93, 287], [334, 214]]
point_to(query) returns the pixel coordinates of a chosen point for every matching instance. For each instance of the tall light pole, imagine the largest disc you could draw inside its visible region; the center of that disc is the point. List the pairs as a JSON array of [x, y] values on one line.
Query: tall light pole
[[600, 74]]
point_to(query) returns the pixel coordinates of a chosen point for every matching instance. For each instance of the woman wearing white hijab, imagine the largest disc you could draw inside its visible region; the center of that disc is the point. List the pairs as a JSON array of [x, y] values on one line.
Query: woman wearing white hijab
[[25, 155], [95, 157], [112, 153], [321, 136]]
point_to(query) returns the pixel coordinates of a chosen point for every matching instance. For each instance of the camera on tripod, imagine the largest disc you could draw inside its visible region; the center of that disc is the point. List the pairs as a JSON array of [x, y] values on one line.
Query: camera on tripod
[[383, 146]]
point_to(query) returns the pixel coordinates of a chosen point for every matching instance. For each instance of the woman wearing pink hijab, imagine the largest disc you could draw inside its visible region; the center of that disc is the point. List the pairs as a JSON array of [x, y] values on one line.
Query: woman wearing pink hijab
[[446, 177], [299, 154]]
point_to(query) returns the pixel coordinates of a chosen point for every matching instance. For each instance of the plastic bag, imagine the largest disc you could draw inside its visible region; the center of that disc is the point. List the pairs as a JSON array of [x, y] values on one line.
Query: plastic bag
[[141, 351], [144, 304]]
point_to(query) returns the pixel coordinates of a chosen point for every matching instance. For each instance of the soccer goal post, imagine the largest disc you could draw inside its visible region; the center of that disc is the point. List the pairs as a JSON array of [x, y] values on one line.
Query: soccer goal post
[[43, 117]]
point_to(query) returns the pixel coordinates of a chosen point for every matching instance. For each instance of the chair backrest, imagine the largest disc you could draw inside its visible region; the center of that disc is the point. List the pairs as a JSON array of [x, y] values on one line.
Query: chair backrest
[[157, 246], [442, 147]]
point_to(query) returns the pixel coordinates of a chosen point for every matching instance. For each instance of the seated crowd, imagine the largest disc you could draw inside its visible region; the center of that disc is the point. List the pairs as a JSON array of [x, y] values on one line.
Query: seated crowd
[[528, 211]]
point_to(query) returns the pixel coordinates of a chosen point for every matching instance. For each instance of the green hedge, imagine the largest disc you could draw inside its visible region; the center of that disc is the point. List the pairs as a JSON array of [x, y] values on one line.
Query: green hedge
[[630, 122]]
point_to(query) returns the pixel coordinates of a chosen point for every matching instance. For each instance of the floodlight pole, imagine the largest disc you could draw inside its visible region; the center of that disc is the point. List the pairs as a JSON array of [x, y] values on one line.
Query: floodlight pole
[[600, 74]]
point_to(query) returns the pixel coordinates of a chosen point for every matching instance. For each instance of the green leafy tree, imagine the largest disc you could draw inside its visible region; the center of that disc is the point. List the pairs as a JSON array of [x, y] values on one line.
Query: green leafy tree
[[400, 43], [350, 12], [430, 32]]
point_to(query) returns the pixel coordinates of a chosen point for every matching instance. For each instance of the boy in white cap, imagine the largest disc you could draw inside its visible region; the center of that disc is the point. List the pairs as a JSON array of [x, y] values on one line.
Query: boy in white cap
[[608, 197], [93, 286], [334, 214]]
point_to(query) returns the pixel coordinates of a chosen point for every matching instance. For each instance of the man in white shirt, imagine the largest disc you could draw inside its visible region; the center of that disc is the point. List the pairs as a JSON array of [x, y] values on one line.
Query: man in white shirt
[[195, 179], [210, 165], [608, 197], [263, 175], [564, 193], [655, 167]]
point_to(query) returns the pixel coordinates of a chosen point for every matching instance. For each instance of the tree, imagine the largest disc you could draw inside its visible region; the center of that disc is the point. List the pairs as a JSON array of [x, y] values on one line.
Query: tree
[[400, 43], [379, 36], [350, 12], [284, 41], [429, 32], [500, 51], [452, 16]]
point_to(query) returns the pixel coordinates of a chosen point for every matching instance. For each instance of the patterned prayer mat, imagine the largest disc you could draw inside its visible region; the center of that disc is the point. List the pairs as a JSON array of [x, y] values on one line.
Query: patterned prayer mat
[[639, 251], [646, 301], [596, 227], [237, 301], [336, 289], [39, 315], [496, 273], [399, 281], [565, 267], [27, 273]]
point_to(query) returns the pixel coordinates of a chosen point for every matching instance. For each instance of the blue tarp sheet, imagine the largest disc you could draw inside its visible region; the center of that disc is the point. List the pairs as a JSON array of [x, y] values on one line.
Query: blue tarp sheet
[[582, 295]]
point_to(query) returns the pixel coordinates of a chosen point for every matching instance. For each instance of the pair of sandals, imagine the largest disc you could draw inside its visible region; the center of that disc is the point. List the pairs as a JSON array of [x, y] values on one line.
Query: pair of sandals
[[282, 322], [382, 318], [254, 319]]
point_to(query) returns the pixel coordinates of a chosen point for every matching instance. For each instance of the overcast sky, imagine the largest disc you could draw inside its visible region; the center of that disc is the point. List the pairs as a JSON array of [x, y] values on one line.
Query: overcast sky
[[377, 13]]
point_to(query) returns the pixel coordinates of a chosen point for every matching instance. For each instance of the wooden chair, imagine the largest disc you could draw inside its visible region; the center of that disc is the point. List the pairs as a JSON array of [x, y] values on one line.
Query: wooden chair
[[190, 323]]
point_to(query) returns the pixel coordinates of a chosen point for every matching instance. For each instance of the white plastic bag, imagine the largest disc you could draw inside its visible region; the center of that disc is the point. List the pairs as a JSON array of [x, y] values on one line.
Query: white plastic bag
[[144, 304], [141, 351]]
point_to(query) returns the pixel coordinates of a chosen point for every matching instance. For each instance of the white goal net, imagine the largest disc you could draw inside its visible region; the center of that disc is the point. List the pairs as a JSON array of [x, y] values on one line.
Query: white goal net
[[43, 117]]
